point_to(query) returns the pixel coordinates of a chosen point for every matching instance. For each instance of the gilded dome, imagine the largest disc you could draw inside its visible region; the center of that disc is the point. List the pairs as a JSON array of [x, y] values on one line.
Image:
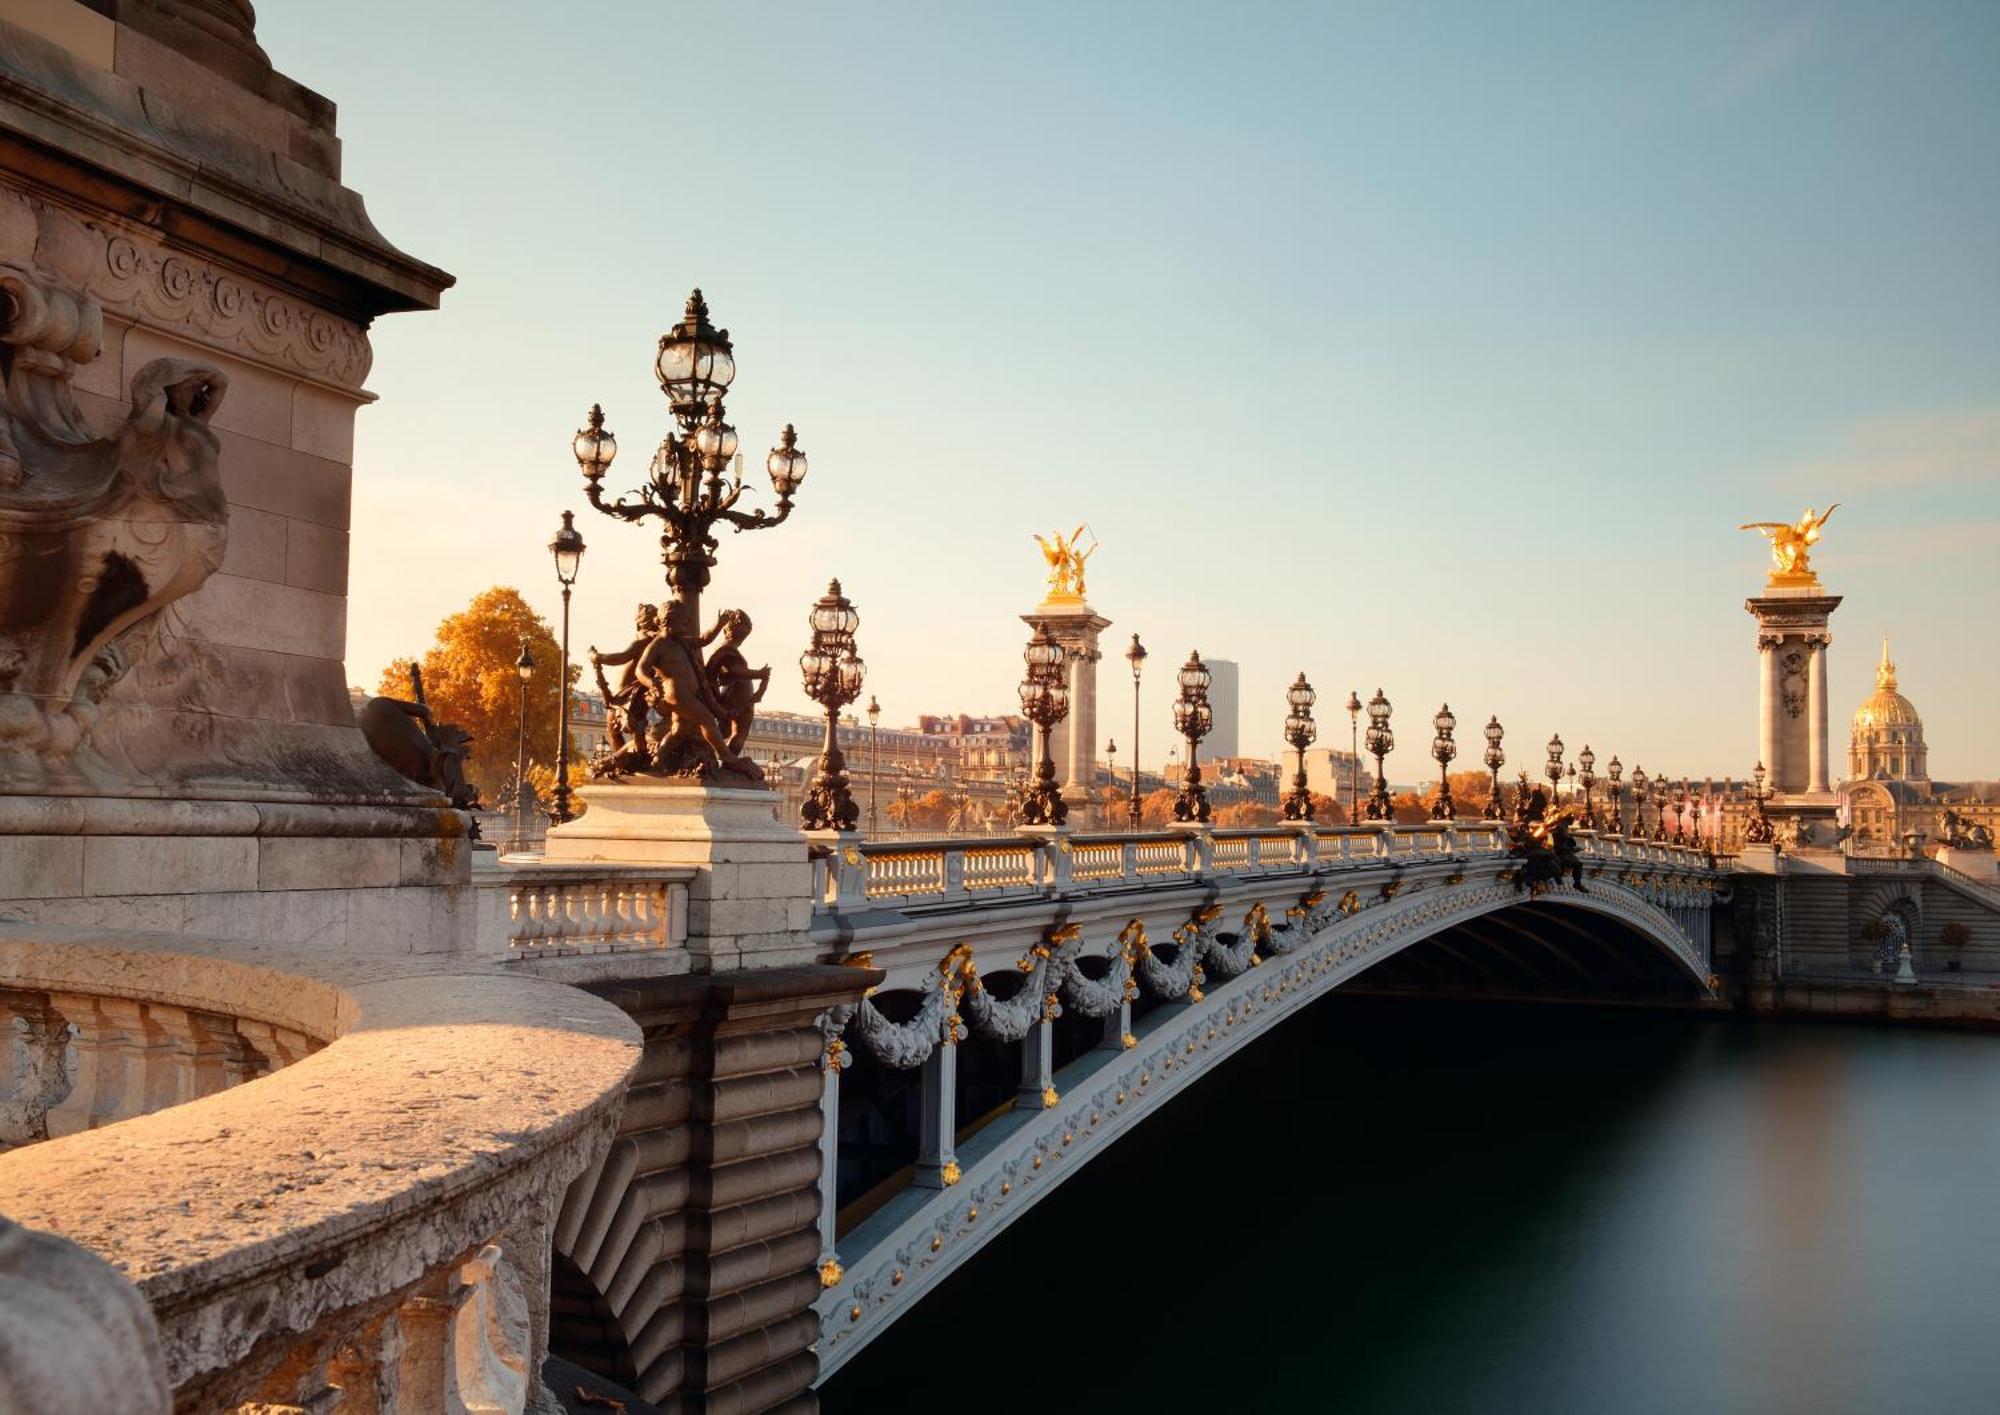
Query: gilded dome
[[1885, 707]]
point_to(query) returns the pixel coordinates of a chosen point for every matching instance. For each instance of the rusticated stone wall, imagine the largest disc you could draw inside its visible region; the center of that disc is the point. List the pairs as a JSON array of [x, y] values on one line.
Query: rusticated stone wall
[[687, 1262]]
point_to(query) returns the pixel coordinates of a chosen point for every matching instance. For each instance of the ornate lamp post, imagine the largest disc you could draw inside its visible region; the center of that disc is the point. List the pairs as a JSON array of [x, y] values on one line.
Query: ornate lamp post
[[1660, 808], [1444, 749], [1192, 719], [568, 549], [1353, 757], [1570, 772], [524, 668], [832, 673], [874, 764], [1680, 812], [1495, 759], [1586, 760], [1616, 771], [1300, 730], [1136, 656], [686, 492], [1759, 831], [1639, 788], [1044, 702], [1381, 742], [1554, 770]]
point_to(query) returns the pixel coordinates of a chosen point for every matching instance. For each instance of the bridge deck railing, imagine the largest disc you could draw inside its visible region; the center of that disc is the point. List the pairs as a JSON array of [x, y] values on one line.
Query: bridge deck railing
[[905, 873]]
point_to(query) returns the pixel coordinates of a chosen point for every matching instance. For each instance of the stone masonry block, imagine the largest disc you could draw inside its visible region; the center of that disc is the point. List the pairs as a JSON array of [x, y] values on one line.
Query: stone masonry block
[[229, 609], [315, 557], [290, 483], [168, 864], [41, 867], [323, 423], [257, 545], [306, 863]]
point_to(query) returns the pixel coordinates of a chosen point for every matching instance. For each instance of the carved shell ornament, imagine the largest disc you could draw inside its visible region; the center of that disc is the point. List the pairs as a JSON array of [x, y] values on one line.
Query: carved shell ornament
[[97, 534]]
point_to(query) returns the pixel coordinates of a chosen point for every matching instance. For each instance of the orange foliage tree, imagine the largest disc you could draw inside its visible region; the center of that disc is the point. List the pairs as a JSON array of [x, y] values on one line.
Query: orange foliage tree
[[1156, 809], [470, 680], [930, 811], [1245, 813]]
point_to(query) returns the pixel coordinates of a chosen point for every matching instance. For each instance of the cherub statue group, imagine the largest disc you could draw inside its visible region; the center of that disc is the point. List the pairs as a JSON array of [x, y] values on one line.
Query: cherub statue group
[[674, 714]]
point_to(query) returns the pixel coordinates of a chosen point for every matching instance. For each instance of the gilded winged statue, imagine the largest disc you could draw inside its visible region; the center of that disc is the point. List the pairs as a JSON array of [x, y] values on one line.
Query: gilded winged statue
[[1066, 558], [1792, 542]]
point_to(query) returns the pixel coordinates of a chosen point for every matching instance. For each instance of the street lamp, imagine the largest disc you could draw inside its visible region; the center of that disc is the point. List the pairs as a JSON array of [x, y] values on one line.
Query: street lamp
[[1680, 812], [1192, 719], [832, 673], [568, 549], [1353, 757], [1044, 702], [1587, 761], [1444, 749], [1111, 767], [1381, 742], [1554, 770], [1759, 831], [874, 764], [1495, 759], [1300, 730], [1136, 656], [1660, 808], [1616, 771], [524, 666], [686, 492], [1640, 785]]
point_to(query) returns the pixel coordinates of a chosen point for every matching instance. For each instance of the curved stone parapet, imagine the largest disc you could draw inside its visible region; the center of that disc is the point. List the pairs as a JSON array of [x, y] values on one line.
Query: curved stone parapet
[[366, 1227]]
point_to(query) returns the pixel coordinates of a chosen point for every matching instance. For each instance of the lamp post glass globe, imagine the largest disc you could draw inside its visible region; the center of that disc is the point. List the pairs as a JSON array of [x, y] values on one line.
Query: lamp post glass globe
[[1381, 742], [1044, 702], [1193, 717], [832, 672], [1444, 750]]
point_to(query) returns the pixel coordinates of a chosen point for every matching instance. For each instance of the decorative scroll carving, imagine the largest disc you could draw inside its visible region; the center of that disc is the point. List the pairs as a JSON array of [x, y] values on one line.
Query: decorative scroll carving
[[97, 535]]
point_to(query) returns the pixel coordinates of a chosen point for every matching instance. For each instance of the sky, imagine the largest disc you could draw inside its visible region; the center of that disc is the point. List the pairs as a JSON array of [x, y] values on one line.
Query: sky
[[1440, 348]]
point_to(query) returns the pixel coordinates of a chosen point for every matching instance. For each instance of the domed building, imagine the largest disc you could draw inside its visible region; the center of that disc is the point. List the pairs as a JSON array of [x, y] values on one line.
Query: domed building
[[1888, 738], [1889, 789]]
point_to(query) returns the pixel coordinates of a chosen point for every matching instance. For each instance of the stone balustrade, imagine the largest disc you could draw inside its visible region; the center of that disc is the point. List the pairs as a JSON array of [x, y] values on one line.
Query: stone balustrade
[[533, 908], [331, 1176]]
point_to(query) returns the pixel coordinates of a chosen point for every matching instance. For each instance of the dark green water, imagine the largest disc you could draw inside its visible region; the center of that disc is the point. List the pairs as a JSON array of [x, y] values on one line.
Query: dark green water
[[1390, 1207]]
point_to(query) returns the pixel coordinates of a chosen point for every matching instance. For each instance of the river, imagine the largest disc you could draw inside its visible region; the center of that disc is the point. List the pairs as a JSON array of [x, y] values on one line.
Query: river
[[1407, 1207]]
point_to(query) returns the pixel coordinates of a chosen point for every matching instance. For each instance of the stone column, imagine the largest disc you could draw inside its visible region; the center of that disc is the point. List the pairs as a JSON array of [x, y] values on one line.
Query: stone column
[[937, 1120], [1768, 669], [1816, 708]]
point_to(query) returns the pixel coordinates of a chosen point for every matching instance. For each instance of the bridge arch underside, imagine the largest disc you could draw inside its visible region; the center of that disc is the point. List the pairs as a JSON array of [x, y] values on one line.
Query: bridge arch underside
[[1555, 949]]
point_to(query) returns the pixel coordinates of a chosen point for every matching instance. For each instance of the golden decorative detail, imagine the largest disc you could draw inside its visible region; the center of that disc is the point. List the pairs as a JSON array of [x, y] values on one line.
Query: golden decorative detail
[[896, 1278], [1455, 877], [835, 1049], [1129, 1040], [1068, 1135], [1306, 905], [1050, 1100], [852, 856], [1058, 936], [949, 1174], [858, 960], [1006, 1187], [853, 1314], [972, 1214], [1062, 844], [830, 1272], [1350, 903], [1038, 1161], [1065, 559], [1791, 546], [1120, 1098], [1145, 1077], [1391, 888], [937, 1242]]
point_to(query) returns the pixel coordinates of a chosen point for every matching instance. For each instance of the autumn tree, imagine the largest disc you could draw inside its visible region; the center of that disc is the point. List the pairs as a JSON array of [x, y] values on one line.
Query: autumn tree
[[470, 681], [1156, 809], [930, 811], [1246, 813]]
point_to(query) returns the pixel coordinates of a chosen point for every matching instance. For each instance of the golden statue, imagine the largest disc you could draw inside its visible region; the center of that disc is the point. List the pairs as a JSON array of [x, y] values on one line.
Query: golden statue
[[1066, 559], [1791, 544]]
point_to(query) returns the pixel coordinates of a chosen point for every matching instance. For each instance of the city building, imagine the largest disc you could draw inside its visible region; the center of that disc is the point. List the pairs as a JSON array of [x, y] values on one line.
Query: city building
[[1890, 794], [1225, 692]]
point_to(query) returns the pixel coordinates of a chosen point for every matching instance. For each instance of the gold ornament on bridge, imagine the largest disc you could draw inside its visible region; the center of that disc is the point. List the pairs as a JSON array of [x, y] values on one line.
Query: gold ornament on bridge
[[1065, 560], [1791, 545]]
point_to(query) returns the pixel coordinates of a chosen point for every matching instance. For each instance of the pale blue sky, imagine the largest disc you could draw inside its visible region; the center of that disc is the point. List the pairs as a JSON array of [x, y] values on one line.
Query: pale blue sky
[[1440, 348]]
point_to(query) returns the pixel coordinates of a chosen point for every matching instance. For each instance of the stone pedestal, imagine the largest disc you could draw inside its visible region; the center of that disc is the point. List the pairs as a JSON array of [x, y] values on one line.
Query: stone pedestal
[[1792, 639], [750, 903], [1073, 741], [1982, 865]]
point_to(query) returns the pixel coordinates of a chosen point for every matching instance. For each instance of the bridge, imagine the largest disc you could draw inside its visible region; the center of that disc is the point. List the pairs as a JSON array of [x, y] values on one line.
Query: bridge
[[1030, 1000]]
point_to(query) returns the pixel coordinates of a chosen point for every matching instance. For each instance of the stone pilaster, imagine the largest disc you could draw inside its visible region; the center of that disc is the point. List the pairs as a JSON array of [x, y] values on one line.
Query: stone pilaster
[[688, 1262], [1792, 637]]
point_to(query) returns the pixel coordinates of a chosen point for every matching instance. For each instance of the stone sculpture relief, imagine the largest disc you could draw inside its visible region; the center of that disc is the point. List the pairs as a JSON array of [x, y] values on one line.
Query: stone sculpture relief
[[98, 535]]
